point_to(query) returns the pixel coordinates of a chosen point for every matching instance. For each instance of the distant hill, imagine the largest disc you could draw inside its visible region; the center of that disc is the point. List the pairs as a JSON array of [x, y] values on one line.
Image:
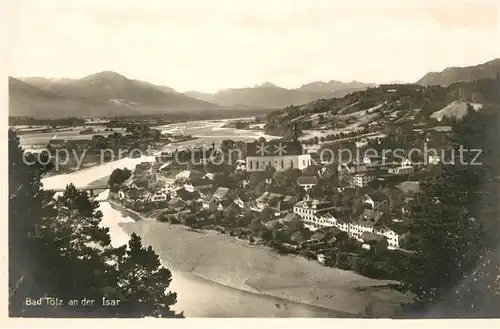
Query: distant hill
[[455, 74], [456, 109], [393, 104], [28, 100], [107, 93], [199, 95], [268, 95], [334, 85]]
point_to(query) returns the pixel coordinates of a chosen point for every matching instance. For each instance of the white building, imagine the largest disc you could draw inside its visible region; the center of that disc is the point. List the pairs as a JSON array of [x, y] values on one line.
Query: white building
[[394, 234], [157, 197], [363, 180], [365, 223], [376, 222], [265, 200], [326, 219], [377, 200], [361, 143], [406, 162], [433, 159], [241, 165], [192, 175], [278, 155], [402, 170], [314, 213]]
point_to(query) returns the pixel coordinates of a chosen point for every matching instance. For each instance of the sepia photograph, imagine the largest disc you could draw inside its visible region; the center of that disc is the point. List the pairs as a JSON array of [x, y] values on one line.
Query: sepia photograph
[[253, 159]]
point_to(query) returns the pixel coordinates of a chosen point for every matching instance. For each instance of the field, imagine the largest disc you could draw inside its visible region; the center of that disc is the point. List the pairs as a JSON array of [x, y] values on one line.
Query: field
[[29, 139]]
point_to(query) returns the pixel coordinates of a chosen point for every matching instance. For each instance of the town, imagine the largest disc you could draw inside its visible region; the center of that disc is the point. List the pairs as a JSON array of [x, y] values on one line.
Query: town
[[225, 159], [342, 198], [294, 202]]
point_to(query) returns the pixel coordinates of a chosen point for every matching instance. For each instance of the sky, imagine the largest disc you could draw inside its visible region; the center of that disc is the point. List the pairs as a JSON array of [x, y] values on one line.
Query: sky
[[210, 45]]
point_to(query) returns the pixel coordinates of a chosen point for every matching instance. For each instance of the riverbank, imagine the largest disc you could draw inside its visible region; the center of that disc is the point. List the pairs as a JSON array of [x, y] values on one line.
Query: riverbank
[[256, 269], [196, 295], [86, 176]]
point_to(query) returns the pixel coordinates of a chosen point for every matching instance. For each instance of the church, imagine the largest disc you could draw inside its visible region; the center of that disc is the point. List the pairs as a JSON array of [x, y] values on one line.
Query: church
[[278, 155]]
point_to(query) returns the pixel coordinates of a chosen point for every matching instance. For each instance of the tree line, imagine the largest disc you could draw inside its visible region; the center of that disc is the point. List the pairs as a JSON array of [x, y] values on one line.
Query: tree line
[[455, 271], [57, 249]]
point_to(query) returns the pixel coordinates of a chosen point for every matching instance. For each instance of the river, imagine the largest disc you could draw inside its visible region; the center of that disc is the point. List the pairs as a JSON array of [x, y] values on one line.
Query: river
[[211, 131]]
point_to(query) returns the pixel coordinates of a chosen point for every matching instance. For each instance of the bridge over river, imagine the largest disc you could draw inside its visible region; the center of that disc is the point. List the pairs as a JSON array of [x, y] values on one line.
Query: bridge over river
[[93, 190]]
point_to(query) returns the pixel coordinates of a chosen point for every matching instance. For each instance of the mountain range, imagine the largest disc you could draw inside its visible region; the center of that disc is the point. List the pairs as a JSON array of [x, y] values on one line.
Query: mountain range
[[111, 94], [269, 95], [449, 75], [101, 94]]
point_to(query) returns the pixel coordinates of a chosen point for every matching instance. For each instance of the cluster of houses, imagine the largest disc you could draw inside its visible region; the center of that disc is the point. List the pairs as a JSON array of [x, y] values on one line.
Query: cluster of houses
[[373, 227], [147, 184], [364, 172]]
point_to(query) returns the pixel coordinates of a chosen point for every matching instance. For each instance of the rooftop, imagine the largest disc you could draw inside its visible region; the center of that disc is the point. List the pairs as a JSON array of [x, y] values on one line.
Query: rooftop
[[409, 186], [187, 195], [372, 215], [371, 237], [377, 196], [274, 148], [268, 196], [288, 217], [245, 197], [396, 227], [307, 180], [221, 193]]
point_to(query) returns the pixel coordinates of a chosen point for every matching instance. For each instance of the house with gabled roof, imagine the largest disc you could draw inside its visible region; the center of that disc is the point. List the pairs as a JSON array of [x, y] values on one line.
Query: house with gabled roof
[[373, 241], [327, 171], [343, 223], [366, 222], [158, 197], [363, 179], [243, 200], [284, 205], [395, 233], [307, 182], [217, 200], [186, 194], [176, 204], [221, 193], [201, 183], [266, 199], [129, 181], [186, 175], [377, 200], [406, 205], [311, 212]]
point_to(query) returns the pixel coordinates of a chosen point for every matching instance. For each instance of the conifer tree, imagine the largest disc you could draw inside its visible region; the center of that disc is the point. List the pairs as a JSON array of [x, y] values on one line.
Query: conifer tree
[[452, 218], [142, 283], [57, 249], [26, 200]]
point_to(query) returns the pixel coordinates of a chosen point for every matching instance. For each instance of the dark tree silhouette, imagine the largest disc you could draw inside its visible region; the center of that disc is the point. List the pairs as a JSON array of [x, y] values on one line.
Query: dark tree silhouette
[[455, 271], [58, 249]]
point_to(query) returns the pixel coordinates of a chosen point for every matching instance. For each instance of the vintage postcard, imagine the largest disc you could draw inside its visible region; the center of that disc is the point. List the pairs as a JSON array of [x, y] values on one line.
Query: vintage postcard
[[253, 159]]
